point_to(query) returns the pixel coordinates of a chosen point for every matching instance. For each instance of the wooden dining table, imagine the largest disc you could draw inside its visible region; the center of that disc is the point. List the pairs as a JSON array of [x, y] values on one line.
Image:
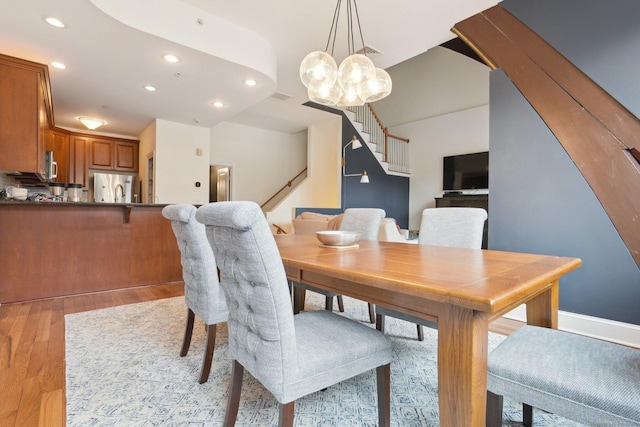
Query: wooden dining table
[[460, 289]]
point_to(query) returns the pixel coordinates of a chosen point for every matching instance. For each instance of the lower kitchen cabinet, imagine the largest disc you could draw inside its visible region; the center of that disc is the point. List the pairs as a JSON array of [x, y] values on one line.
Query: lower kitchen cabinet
[[59, 249]]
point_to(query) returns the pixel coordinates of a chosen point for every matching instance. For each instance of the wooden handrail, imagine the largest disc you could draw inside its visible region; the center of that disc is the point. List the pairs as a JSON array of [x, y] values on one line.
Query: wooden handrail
[[396, 137], [288, 184], [384, 129], [279, 230]]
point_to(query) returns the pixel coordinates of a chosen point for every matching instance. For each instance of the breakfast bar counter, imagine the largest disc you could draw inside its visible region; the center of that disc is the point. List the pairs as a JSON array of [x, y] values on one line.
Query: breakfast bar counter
[[52, 249]]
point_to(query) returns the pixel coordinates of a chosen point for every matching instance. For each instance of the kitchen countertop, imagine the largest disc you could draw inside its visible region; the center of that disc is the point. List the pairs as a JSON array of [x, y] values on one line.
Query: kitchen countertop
[[96, 204]]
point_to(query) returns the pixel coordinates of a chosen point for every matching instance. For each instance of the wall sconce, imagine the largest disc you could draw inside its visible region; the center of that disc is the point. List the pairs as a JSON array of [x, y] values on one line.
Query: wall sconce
[[355, 144]]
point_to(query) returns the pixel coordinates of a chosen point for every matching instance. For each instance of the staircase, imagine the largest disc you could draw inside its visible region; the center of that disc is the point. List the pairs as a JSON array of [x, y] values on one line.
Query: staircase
[[392, 152]]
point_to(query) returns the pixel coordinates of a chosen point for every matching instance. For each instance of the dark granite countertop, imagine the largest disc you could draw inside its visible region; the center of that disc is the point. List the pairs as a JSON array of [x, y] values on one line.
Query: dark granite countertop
[[84, 204]]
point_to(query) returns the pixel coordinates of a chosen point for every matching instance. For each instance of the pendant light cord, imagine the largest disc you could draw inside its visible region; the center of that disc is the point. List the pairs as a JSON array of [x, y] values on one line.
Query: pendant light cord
[[333, 32], [334, 28], [364, 49]]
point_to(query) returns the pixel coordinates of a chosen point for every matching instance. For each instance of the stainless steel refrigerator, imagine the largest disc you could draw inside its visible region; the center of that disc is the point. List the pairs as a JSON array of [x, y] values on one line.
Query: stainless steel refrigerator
[[112, 188]]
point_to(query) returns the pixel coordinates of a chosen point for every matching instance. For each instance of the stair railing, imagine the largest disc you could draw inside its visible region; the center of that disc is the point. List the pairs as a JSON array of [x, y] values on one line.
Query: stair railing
[[284, 187], [394, 149]]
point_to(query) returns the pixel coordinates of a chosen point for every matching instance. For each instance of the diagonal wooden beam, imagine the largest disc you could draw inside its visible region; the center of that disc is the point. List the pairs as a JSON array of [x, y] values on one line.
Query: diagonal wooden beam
[[597, 132]]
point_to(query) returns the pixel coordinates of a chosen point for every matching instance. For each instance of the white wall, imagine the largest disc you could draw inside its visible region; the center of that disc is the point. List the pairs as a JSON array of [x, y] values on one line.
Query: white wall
[[431, 139], [262, 161], [321, 189], [440, 101], [178, 164]]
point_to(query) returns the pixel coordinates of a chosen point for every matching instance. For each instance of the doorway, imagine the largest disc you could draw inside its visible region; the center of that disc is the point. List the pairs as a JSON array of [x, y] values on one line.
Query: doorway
[[219, 183]]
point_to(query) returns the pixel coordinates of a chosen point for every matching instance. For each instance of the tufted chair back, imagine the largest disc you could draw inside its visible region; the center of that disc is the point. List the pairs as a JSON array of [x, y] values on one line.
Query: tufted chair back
[[202, 291], [366, 220], [454, 227], [261, 327]]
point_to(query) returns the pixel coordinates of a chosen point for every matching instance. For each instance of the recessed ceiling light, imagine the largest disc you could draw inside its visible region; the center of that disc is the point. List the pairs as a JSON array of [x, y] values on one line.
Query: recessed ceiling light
[[171, 58], [59, 65], [55, 22], [218, 104], [150, 88], [250, 82]]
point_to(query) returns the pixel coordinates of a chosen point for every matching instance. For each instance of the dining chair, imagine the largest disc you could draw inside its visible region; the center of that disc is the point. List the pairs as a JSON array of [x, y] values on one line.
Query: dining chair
[[453, 227], [292, 356], [584, 379], [202, 292], [366, 220]]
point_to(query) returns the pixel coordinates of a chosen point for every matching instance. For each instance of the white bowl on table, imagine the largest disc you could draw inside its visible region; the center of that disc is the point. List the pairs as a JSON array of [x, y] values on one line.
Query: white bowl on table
[[339, 238]]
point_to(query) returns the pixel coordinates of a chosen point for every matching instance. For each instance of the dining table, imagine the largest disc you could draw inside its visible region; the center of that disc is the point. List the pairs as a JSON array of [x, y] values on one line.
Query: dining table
[[463, 290]]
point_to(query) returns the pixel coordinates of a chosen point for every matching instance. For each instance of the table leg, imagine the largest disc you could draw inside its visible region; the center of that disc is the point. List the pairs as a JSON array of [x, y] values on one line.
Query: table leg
[[543, 309], [462, 366]]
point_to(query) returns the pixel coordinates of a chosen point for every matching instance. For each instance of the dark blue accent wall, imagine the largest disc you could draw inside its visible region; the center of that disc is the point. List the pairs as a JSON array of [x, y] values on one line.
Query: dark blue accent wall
[[388, 192], [539, 200]]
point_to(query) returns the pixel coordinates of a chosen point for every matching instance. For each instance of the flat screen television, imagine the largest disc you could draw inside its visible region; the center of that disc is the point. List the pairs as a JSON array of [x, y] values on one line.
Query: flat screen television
[[466, 172]]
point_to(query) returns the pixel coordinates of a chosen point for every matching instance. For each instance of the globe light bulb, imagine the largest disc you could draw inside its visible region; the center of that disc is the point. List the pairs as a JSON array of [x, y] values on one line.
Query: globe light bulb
[[318, 65], [324, 92], [354, 69], [376, 88]]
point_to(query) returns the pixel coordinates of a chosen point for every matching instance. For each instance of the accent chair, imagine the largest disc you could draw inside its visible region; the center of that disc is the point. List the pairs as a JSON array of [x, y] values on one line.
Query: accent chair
[[453, 227], [366, 220], [586, 380], [292, 356], [202, 292]]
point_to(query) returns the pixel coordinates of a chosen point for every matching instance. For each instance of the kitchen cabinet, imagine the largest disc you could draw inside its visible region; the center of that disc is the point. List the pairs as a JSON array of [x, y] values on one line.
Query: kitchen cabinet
[[101, 156], [26, 114], [78, 160], [57, 249], [113, 154], [126, 156], [58, 143]]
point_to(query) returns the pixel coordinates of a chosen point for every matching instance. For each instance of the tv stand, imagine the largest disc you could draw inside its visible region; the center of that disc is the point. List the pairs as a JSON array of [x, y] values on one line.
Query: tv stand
[[467, 201]]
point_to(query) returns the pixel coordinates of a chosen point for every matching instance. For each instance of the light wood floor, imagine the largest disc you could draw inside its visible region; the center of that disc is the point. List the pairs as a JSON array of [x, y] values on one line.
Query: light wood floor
[[32, 353]]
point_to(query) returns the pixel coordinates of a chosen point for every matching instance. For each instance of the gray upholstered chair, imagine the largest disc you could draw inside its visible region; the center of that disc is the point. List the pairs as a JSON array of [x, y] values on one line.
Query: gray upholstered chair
[[453, 227], [202, 292], [590, 381], [366, 220], [292, 356]]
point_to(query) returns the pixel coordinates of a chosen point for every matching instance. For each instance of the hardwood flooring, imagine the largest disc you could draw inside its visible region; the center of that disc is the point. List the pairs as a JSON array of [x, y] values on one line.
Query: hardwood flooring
[[32, 352]]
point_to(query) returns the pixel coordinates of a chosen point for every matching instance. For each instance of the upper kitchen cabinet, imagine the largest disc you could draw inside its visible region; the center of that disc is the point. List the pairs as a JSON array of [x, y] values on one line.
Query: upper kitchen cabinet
[[113, 154], [58, 144], [126, 156], [26, 114], [78, 153]]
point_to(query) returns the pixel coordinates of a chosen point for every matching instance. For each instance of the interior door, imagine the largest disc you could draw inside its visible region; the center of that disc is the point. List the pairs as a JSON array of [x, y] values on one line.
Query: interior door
[[220, 183]]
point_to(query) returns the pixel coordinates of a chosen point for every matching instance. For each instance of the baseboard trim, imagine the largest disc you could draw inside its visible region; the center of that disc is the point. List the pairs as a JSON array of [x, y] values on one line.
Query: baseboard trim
[[596, 327]]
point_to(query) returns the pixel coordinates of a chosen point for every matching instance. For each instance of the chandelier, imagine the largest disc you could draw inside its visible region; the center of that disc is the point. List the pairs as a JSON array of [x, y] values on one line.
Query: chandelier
[[355, 82]]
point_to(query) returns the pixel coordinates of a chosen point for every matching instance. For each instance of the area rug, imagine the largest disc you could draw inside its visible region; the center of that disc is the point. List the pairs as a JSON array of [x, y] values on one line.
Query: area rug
[[123, 369]]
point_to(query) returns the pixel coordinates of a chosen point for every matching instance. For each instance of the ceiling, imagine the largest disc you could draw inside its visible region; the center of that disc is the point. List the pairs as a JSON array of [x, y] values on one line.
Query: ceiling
[[220, 43]]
